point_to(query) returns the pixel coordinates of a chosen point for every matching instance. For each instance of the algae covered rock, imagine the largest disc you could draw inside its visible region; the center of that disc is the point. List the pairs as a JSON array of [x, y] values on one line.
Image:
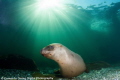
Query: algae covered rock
[[97, 65], [15, 61]]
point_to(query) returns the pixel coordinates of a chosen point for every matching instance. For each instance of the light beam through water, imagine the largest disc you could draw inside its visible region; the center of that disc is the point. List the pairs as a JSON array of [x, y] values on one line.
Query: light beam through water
[[55, 23]]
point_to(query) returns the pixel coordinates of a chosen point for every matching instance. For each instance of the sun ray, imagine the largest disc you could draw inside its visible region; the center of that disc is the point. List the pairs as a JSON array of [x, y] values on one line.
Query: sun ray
[[50, 22]]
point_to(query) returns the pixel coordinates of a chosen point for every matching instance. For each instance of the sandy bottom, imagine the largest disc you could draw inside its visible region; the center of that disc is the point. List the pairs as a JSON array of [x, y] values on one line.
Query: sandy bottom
[[111, 73]]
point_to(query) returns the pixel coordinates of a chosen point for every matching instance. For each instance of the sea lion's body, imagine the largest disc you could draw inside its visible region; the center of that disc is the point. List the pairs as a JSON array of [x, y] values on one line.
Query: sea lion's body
[[71, 64]]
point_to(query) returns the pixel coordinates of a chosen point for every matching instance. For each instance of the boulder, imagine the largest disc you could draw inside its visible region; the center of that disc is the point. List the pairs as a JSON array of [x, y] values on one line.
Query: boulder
[[97, 65], [15, 61]]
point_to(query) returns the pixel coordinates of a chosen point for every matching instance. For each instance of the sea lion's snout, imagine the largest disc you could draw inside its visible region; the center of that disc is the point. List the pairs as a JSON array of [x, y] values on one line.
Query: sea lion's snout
[[45, 51]]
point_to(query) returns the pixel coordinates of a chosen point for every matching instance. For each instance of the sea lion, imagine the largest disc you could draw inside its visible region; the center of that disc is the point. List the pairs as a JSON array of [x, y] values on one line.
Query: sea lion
[[71, 64]]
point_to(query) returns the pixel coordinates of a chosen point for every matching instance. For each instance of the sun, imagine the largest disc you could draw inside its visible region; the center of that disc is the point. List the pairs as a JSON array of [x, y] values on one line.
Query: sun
[[49, 4]]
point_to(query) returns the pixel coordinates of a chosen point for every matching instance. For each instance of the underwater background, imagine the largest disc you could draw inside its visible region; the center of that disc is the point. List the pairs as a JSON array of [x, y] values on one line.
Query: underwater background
[[90, 28]]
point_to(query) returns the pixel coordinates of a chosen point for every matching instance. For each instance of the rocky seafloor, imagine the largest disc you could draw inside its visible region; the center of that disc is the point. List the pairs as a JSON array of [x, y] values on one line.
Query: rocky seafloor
[[111, 73]]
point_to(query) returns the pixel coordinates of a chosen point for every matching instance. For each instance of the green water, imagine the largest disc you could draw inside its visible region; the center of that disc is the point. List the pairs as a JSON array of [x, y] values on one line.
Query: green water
[[30, 29]]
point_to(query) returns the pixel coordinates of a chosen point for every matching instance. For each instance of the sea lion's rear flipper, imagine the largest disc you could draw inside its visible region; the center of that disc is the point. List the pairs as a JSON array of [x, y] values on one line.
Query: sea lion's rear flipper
[[57, 71], [87, 71], [58, 74]]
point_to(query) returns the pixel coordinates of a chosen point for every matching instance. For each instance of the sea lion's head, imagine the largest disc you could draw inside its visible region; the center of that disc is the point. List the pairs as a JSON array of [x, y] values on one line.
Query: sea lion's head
[[51, 50]]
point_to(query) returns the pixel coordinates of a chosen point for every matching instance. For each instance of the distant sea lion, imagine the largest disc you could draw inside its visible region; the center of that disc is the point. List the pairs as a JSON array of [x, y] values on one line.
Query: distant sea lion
[[71, 64]]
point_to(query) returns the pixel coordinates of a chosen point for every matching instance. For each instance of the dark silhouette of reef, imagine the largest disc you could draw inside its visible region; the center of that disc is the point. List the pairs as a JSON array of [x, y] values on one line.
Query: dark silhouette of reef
[[97, 65], [15, 61]]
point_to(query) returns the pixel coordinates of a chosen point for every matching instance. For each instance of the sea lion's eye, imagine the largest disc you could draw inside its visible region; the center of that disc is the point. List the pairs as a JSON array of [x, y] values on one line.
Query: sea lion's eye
[[49, 48]]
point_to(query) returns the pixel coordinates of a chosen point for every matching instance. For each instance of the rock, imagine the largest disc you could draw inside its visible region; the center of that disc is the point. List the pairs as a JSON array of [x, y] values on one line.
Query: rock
[[15, 61], [97, 65]]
